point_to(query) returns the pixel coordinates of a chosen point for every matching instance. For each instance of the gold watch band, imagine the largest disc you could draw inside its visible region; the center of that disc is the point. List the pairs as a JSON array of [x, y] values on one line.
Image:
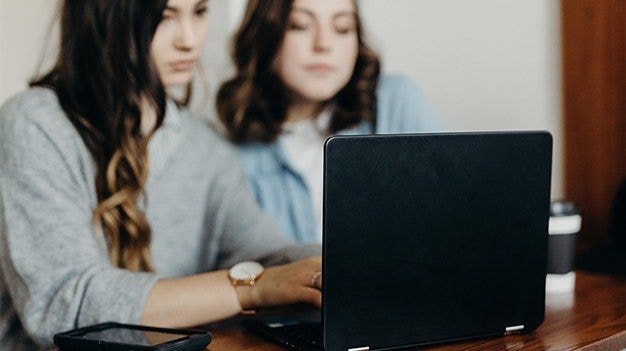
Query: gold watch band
[[243, 286], [246, 282]]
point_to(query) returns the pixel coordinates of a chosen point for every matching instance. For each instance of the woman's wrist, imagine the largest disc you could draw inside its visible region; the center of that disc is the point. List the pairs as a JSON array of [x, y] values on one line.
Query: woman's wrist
[[245, 296], [244, 277]]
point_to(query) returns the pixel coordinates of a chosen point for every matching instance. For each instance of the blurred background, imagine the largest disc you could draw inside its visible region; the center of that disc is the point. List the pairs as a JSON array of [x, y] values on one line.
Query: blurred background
[[483, 64]]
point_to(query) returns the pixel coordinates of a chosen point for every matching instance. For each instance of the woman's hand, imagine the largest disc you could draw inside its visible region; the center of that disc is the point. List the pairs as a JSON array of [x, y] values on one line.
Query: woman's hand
[[297, 282]]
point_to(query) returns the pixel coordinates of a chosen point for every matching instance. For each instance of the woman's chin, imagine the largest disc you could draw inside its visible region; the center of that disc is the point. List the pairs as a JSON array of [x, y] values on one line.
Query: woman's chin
[[319, 95], [174, 80]]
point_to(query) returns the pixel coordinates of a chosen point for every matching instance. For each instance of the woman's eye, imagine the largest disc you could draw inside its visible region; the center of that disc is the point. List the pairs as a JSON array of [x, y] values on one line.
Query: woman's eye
[[344, 25], [297, 26], [202, 11], [344, 30]]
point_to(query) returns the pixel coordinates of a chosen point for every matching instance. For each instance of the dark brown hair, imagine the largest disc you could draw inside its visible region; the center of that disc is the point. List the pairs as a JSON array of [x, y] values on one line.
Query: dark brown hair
[[253, 104], [102, 76]]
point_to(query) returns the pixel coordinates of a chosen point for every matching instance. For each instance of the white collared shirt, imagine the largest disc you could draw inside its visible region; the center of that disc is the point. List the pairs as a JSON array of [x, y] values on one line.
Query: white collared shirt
[[303, 144]]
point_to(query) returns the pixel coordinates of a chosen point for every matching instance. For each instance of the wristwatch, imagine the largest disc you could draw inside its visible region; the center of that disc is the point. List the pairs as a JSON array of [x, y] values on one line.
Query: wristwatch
[[245, 273]]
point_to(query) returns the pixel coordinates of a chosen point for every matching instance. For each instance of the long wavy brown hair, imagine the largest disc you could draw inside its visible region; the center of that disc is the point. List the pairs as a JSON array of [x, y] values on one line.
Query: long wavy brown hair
[[102, 78], [253, 104]]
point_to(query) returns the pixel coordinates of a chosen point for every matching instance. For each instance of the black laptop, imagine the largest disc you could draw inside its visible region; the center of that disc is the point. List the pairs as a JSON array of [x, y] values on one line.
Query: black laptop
[[428, 238]]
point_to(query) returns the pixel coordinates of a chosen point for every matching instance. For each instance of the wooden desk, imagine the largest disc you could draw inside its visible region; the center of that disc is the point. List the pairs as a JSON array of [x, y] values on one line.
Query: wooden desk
[[595, 311]]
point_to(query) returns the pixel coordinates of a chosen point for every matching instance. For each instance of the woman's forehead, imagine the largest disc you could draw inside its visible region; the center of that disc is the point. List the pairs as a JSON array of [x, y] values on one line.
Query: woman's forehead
[[318, 8]]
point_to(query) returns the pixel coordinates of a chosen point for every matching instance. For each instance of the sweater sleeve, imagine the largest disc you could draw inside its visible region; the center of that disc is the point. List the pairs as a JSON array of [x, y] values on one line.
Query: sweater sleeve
[[54, 261], [245, 232], [403, 108]]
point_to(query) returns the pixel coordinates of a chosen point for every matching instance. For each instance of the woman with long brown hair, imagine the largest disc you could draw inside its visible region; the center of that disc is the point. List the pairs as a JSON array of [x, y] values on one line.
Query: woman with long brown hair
[[304, 72], [116, 203]]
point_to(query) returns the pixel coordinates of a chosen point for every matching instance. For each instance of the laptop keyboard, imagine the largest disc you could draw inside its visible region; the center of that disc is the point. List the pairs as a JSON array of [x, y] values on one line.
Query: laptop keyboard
[[301, 336]]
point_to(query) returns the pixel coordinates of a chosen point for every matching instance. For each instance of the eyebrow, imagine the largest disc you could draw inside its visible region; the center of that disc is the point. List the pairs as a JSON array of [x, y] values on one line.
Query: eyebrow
[[338, 14], [175, 9]]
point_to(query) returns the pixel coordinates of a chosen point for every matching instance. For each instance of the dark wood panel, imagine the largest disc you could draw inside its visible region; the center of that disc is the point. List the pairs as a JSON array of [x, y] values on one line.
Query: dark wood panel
[[594, 90], [593, 313]]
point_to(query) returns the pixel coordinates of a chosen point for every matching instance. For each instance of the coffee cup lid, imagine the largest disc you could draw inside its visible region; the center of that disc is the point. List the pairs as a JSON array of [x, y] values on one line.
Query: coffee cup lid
[[563, 208]]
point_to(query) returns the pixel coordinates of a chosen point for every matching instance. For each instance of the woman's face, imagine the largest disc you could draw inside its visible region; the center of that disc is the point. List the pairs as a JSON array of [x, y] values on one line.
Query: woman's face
[[179, 40], [319, 51]]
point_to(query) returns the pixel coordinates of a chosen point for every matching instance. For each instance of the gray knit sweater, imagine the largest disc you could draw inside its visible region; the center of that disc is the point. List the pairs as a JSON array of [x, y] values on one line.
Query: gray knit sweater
[[55, 272]]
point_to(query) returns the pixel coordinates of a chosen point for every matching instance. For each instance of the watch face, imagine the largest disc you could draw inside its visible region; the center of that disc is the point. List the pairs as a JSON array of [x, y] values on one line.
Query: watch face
[[246, 270]]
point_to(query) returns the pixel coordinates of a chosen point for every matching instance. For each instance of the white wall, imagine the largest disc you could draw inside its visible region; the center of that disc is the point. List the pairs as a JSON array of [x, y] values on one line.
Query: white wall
[[484, 64], [24, 27]]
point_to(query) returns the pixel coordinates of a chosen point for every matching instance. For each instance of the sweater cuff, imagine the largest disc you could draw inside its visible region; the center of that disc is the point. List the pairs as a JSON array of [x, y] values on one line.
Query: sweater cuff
[[116, 295]]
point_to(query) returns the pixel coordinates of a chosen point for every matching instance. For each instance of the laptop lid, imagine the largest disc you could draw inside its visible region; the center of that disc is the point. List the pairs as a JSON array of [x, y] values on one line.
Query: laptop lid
[[433, 237]]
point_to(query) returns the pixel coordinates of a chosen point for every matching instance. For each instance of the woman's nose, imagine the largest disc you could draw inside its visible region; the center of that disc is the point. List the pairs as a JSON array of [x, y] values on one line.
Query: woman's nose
[[186, 38], [323, 39]]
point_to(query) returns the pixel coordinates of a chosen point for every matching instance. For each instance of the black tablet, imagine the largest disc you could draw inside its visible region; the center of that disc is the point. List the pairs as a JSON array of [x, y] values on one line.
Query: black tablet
[[125, 337]]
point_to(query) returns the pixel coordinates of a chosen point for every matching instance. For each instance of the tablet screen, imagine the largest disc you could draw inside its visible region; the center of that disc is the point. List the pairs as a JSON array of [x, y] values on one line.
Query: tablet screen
[[132, 336]]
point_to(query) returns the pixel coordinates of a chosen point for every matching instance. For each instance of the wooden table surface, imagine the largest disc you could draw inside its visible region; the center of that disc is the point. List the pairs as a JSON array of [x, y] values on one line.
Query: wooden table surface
[[595, 311]]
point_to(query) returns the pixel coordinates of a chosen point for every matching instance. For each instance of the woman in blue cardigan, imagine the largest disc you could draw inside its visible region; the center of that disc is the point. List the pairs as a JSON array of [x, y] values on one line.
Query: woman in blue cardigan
[[303, 73]]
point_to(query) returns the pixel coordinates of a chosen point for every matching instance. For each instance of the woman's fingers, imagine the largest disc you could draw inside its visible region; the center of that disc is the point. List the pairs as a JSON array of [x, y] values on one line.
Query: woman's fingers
[[317, 260], [316, 280], [300, 281], [311, 296]]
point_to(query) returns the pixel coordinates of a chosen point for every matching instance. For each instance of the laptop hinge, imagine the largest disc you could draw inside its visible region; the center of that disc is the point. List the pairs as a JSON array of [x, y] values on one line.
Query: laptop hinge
[[513, 329], [365, 348]]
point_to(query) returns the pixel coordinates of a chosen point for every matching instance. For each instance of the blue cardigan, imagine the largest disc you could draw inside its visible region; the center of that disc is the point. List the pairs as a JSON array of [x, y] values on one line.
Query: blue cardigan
[[281, 190]]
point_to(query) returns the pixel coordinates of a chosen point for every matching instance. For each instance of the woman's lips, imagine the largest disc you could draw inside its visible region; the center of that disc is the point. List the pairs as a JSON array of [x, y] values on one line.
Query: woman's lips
[[319, 68], [182, 65]]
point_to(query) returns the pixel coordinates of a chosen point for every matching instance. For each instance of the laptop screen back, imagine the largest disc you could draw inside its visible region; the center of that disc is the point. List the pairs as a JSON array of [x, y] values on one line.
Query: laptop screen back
[[433, 237]]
